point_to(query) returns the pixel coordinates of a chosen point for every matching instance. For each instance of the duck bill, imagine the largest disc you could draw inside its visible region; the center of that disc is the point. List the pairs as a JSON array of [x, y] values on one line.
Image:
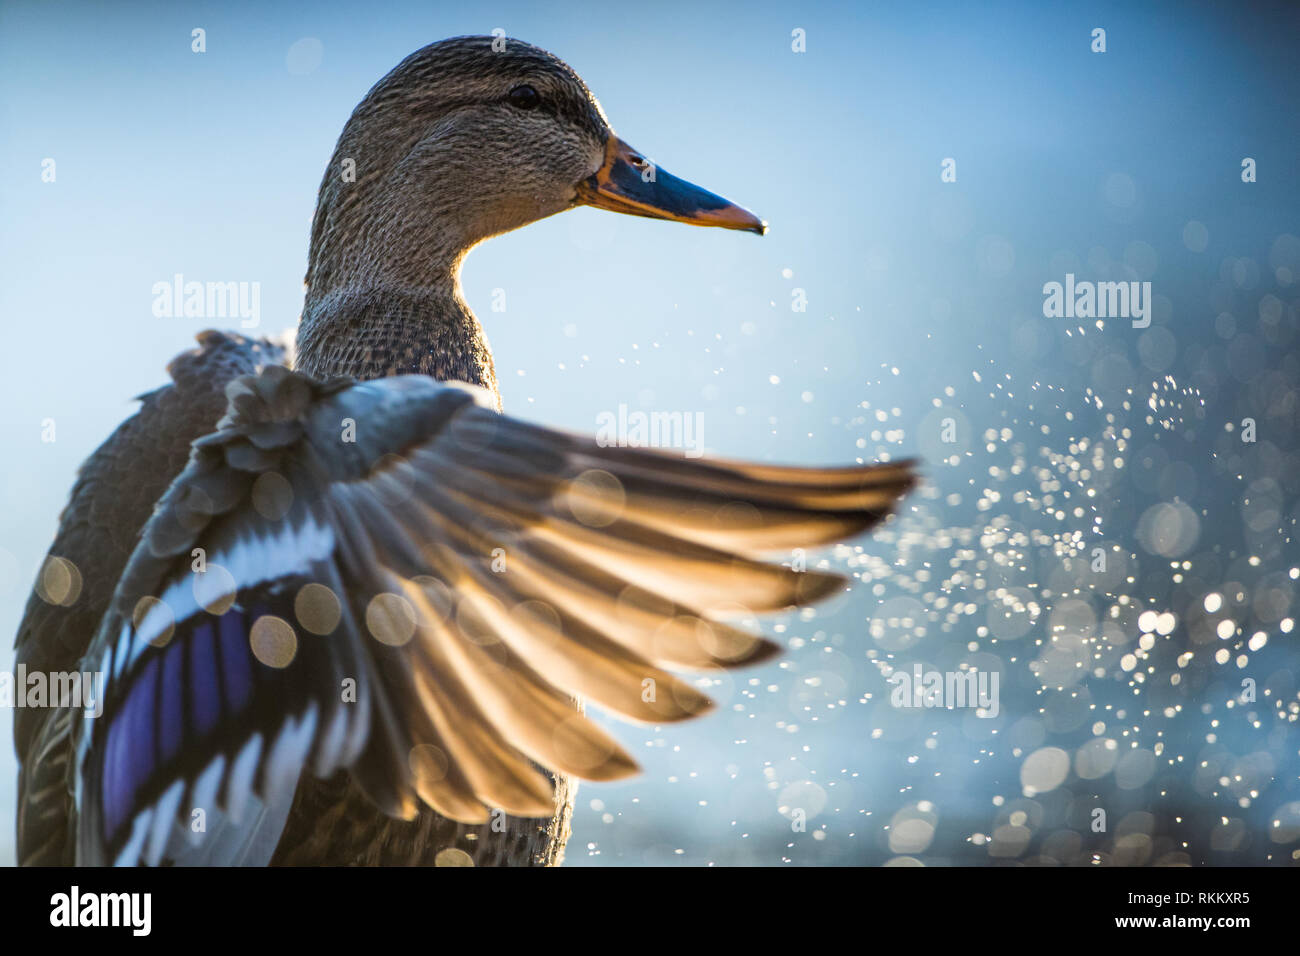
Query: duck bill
[[629, 183]]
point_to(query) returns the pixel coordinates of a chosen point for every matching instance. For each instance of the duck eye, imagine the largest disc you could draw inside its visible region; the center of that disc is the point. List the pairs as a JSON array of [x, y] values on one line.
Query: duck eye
[[524, 97]]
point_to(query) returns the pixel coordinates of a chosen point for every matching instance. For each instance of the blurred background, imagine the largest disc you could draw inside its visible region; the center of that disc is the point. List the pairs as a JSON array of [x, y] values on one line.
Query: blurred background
[[887, 314]]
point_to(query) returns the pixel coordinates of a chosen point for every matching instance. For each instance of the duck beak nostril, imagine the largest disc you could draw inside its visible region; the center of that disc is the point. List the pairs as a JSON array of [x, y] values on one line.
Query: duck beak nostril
[[629, 183]]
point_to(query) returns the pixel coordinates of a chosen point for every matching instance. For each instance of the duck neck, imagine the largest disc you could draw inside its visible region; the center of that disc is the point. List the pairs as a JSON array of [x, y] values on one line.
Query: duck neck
[[374, 330]]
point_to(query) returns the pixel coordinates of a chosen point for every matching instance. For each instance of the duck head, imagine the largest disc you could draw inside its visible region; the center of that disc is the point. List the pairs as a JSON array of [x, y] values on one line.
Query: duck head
[[468, 138]]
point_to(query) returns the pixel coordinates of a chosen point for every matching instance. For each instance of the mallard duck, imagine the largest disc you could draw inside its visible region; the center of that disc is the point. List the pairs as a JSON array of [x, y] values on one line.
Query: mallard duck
[[345, 610]]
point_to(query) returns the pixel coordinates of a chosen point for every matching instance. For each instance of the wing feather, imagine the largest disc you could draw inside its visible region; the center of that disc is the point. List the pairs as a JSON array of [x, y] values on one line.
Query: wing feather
[[425, 606]]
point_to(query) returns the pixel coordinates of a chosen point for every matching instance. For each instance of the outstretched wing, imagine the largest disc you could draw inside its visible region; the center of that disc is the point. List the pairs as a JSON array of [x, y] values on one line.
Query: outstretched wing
[[392, 578]]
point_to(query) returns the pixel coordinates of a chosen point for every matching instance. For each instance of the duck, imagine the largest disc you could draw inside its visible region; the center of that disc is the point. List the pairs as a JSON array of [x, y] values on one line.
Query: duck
[[341, 608]]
